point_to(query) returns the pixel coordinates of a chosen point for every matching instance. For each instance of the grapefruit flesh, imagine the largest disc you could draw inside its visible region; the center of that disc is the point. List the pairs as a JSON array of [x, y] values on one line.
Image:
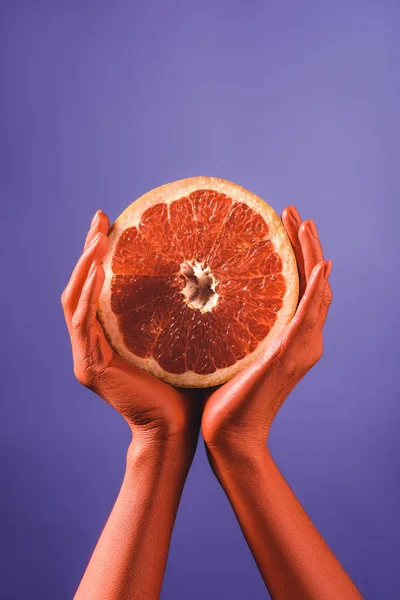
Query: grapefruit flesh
[[200, 280]]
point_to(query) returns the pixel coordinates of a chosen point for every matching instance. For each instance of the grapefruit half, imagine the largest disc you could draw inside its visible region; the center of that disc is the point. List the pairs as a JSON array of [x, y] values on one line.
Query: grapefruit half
[[200, 278]]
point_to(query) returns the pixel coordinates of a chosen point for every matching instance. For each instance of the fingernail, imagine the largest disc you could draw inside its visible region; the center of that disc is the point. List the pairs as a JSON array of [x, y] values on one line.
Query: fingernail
[[294, 220], [327, 269], [95, 218], [312, 228], [295, 215]]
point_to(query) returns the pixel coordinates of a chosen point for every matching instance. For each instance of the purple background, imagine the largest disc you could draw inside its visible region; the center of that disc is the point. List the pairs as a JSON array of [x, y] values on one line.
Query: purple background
[[102, 101]]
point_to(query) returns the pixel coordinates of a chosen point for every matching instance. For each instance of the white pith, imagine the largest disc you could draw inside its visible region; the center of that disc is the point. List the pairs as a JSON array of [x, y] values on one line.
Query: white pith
[[168, 193], [201, 272]]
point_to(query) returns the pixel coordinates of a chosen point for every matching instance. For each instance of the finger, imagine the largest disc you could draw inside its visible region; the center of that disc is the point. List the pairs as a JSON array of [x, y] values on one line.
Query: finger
[[327, 299], [100, 222], [311, 246], [328, 269], [307, 317], [312, 250], [292, 221], [292, 213], [84, 317], [92, 353], [93, 226], [95, 252], [305, 330], [292, 224]]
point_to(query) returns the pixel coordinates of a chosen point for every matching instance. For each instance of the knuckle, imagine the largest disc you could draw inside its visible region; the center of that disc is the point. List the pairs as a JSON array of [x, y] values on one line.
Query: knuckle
[[310, 323], [86, 375], [82, 375], [79, 324], [326, 302], [287, 364], [91, 370], [292, 369], [328, 295], [76, 322], [64, 301], [316, 353]]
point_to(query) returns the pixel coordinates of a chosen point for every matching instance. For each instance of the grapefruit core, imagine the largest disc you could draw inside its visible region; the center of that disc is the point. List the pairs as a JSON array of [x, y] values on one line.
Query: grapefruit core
[[200, 278]]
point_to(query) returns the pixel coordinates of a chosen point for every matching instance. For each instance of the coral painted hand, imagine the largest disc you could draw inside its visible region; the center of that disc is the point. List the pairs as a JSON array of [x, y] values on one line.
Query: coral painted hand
[[241, 411], [130, 557], [147, 404], [293, 558]]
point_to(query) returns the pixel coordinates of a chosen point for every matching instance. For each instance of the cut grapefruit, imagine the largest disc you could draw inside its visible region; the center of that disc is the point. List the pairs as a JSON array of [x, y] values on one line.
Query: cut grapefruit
[[200, 278]]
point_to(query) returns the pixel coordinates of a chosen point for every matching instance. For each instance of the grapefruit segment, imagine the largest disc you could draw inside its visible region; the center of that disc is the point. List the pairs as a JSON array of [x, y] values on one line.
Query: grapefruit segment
[[183, 226], [242, 228], [170, 348], [131, 292], [155, 227], [143, 327], [200, 278], [210, 210], [136, 255], [254, 261]]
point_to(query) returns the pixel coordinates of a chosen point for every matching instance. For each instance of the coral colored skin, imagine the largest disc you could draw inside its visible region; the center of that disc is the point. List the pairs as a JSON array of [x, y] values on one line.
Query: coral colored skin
[[130, 556], [293, 559]]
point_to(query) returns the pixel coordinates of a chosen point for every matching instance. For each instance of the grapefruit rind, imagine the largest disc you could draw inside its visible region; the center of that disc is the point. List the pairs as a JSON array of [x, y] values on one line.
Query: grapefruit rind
[[168, 193]]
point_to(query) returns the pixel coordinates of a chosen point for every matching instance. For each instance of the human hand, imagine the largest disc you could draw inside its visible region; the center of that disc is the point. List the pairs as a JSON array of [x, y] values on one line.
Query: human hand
[[151, 408], [238, 415]]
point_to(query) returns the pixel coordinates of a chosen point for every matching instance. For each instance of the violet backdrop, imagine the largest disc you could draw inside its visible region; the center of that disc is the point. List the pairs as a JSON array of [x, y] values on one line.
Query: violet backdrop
[[102, 101]]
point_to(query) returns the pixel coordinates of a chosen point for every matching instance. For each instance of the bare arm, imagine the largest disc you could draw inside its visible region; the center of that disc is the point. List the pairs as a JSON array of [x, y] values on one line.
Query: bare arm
[[130, 557], [293, 558]]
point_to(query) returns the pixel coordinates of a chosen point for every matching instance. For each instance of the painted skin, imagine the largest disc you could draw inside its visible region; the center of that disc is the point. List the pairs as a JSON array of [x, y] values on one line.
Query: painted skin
[[130, 557]]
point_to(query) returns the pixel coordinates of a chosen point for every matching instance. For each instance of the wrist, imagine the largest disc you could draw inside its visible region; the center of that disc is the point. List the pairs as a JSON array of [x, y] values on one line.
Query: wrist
[[239, 466], [172, 453], [236, 446], [234, 454]]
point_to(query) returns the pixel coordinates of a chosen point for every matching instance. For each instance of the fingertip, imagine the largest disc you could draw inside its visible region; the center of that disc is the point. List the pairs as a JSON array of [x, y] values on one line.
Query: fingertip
[[313, 228], [104, 222], [95, 219], [100, 241], [303, 229], [294, 213], [328, 268], [100, 224], [308, 230], [318, 270]]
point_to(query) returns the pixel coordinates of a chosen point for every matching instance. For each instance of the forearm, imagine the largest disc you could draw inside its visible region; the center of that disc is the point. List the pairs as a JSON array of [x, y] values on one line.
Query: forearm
[[130, 557], [294, 560]]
